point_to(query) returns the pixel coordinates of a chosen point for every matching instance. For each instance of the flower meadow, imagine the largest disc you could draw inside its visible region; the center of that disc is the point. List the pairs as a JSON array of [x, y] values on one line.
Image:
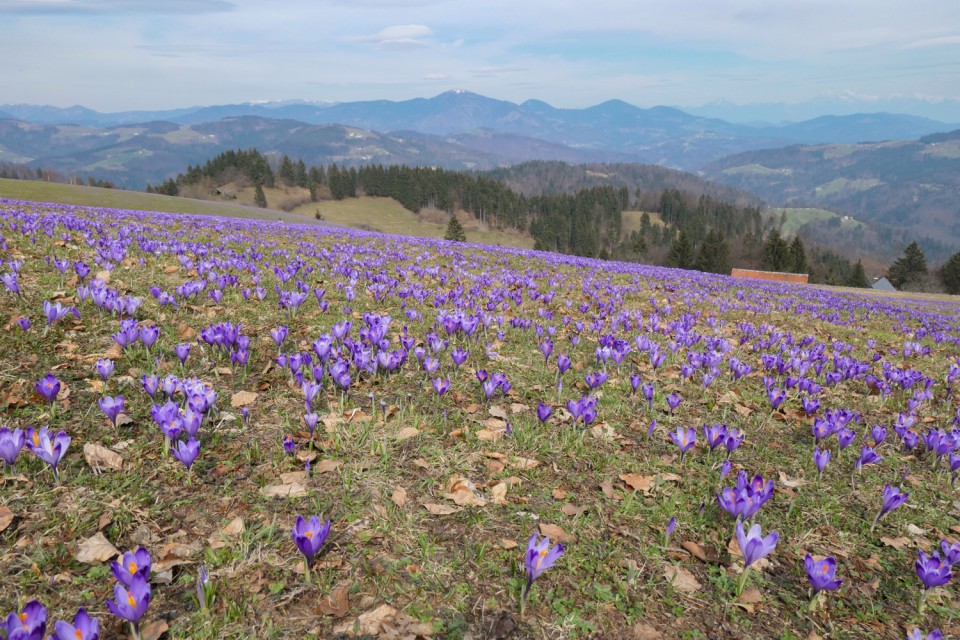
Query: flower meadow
[[221, 428]]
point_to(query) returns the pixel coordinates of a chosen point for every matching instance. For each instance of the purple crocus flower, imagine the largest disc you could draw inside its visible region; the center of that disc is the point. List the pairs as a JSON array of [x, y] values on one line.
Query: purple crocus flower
[[111, 407], [131, 604], [543, 412], [892, 499], [725, 469], [441, 386], [279, 334], [563, 363], [671, 527], [878, 433], [916, 634], [12, 442], [635, 381], [49, 450], [130, 565], [24, 323], [83, 628], [289, 446], [310, 419], [48, 386], [867, 456], [309, 536], [822, 573], [673, 401], [29, 624], [684, 439], [538, 558], [105, 368], [932, 570], [182, 350], [753, 545], [186, 452], [647, 389], [149, 335], [846, 436], [715, 435], [821, 458], [150, 384], [951, 552]]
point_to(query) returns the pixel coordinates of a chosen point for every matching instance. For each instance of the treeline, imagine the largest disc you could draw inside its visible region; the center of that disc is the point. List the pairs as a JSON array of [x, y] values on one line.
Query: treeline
[[681, 229], [13, 171]]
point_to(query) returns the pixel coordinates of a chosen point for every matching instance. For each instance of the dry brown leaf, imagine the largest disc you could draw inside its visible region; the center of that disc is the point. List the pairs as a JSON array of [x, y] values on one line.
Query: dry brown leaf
[[355, 415], [498, 493], [694, 549], [336, 604], [103, 276], [292, 476], [154, 630], [573, 510], [99, 457], [123, 420], [96, 549], [243, 399], [407, 432], [643, 631], [489, 436], [751, 595], [295, 490], [681, 579], [105, 519], [399, 496], [559, 494], [555, 533], [186, 332], [440, 509], [6, 517], [495, 466], [607, 490], [524, 464], [505, 544], [638, 482], [327, 466], [787, 482], [370, 623], [899, 543], [497, 412], [232, 530]]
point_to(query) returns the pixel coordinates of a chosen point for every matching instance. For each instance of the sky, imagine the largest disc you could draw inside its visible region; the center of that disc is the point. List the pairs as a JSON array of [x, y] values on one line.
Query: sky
[[117, 55]]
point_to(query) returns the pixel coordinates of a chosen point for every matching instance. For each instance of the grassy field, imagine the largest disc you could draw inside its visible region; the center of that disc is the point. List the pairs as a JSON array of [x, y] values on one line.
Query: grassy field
[[799, 216], [631, 220], [135, 200], [443, 433], [758, 169], [386, 215]]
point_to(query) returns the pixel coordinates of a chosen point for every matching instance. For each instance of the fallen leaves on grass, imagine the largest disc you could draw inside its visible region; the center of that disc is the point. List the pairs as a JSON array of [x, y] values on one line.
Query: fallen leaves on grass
[[100, 458], [96, 549], [681, 579]]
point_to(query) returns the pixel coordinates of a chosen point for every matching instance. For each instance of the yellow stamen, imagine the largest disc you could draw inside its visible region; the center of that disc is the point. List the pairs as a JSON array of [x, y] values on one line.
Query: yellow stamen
[[79, 634], [133, 567], [131, 601], [36, 439], [309, 535]]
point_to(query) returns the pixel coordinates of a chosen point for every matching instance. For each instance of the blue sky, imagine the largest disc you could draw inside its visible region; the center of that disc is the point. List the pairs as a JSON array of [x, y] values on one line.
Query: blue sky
[[116, 55]]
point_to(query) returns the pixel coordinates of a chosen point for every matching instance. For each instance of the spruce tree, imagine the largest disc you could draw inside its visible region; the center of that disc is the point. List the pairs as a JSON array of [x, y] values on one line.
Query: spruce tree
[[455, 231], [798, 256], [912, 265], [776, 253], [858, 277], [714, 254], [681, 253], [260, 198], [950, 274]]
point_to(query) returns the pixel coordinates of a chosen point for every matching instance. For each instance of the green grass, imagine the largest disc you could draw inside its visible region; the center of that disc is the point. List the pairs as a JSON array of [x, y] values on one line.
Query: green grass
[[631, 220], [459, 574], [135, 200], [386, 215], [842, 184], [757, 169], [799, 216]]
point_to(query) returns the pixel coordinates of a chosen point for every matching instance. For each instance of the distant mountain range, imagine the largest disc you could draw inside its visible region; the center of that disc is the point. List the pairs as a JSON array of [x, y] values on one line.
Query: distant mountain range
[[858, 164], [612, 131], [910, 185]]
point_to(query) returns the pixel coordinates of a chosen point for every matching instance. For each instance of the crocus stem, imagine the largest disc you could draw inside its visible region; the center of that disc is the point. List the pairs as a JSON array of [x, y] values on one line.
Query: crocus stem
[[306, 570], [743, 582], [875, 521], [923, 602], [135, 629], [523, 597]]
